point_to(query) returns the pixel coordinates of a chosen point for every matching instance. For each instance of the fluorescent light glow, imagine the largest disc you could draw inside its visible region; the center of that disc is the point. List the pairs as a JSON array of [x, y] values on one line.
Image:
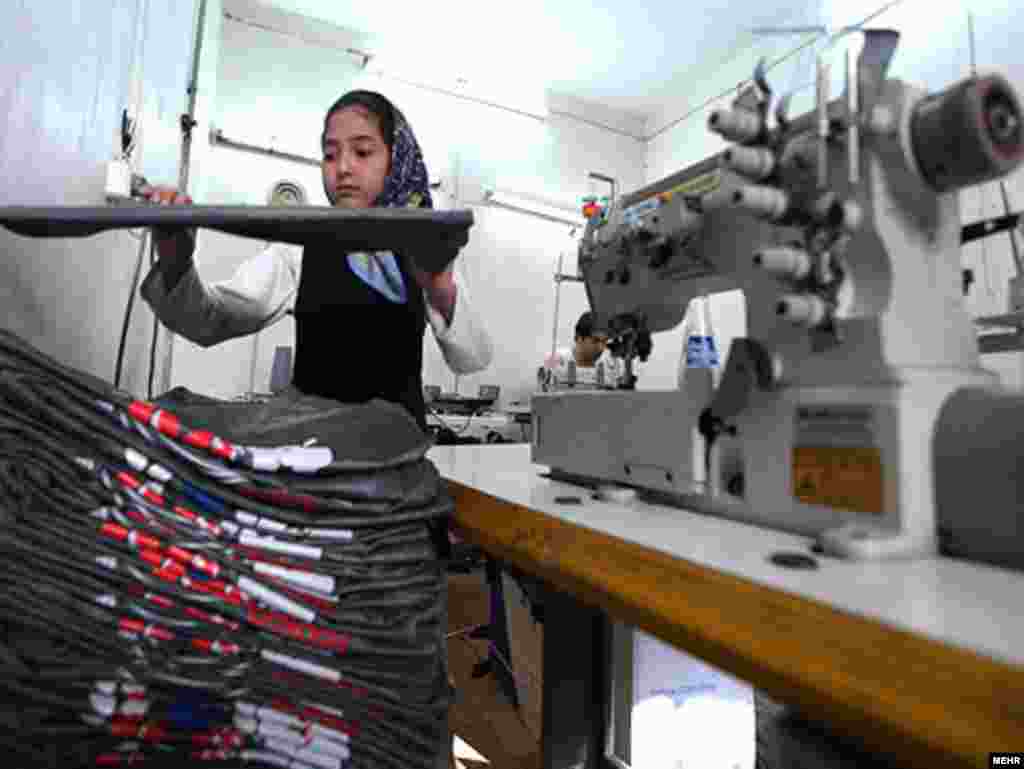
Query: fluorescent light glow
[[536, 208]]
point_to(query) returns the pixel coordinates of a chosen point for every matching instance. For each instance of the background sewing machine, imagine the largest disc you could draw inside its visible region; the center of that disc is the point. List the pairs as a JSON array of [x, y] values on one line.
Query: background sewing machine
[[455, 419], [837, 413]]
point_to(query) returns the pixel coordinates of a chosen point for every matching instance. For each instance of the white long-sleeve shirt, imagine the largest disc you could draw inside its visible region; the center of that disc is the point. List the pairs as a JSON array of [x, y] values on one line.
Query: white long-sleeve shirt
[[264, 289], [606, 372]]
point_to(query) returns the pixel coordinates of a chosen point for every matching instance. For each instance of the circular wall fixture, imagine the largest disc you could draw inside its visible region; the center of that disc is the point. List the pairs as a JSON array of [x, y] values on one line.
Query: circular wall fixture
[[287, 193]]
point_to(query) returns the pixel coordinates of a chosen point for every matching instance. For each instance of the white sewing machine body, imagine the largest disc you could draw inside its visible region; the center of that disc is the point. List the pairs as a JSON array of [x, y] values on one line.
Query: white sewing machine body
[[857, 328]]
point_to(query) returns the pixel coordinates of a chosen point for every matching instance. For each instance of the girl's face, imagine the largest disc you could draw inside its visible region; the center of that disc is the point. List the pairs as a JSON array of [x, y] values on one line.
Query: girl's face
[[356, 159]]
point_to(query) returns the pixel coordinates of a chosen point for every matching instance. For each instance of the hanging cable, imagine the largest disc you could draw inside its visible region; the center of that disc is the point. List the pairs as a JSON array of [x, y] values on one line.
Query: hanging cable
[[156, 327], [136, 278]]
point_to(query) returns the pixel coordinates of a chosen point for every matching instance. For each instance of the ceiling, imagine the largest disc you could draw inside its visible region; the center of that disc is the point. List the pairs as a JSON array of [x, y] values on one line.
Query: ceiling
[[626, 56]]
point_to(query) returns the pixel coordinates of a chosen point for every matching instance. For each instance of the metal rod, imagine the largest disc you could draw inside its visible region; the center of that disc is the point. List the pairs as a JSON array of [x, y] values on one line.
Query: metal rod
[[1012, 232], [1015, 249], [970, 39], [853, 129], [184, 172], [558, 296], [252, 366], [608, 180], [217, 137], [822, 83], [193, 87]]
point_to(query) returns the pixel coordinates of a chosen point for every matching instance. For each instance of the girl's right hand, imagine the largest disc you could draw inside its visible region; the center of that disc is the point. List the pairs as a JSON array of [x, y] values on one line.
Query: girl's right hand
[[166, 196], [172, 245]]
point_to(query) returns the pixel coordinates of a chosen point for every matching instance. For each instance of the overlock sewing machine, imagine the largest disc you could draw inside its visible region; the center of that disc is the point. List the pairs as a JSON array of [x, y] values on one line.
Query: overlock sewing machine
[[842, 228]]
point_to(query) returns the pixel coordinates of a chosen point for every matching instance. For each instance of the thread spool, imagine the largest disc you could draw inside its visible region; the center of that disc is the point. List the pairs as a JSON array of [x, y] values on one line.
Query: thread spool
[[763, 201], [738, 125], [792, 263], [804, 309], [752, 162], [969, 133]]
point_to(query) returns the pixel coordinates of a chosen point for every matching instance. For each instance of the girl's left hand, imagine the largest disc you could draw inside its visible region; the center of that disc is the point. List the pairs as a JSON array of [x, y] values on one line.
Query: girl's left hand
[[439, 288], [434, 282]]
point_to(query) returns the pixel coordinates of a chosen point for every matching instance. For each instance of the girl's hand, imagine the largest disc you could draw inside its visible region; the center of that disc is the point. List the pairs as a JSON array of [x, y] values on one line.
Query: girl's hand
[[440, 290]]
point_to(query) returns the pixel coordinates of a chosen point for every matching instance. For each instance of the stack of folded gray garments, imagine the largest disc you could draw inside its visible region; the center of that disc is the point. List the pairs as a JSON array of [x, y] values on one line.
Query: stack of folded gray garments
[[208, 583]]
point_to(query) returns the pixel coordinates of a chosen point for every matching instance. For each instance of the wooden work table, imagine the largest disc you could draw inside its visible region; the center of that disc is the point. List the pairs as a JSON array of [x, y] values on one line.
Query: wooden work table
[[919, 660]]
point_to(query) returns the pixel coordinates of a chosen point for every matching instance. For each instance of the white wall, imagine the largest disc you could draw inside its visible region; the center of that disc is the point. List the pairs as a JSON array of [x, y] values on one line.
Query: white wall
[[274, 89], [933, 52], [65, 75]]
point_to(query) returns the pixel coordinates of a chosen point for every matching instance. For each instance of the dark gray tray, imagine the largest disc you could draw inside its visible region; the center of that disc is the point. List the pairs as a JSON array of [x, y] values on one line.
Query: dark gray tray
[[432, 238]]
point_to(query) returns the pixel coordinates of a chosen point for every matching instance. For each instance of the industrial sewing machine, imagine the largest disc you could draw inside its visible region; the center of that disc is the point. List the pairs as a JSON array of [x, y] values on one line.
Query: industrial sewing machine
[[842, 228]]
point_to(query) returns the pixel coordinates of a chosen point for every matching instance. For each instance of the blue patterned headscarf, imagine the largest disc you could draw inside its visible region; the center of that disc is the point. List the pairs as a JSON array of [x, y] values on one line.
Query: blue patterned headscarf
[[406, 186]]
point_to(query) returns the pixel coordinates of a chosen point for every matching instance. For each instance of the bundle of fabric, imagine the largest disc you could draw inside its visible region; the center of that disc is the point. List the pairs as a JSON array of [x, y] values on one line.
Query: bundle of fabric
[[195, 581]]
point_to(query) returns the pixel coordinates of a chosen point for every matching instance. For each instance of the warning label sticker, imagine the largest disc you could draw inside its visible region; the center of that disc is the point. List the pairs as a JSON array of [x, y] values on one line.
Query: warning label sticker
[[695, 187], [836, 458], [843, 478], [698, 185]]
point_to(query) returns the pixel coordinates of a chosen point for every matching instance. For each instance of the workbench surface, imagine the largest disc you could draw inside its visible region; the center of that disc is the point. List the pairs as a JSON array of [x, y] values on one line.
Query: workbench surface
[[923, 660]]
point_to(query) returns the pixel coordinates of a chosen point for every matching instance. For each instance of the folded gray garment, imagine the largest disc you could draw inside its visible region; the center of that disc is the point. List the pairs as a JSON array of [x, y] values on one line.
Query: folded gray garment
[[379, 468], [366, 439], [434, 237], [410, 492], [363, 436], [390, 484], [411, 485]]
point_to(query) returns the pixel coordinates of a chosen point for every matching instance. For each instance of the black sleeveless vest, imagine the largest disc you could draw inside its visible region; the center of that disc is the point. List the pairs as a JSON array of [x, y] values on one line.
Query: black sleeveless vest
[[352, 343]]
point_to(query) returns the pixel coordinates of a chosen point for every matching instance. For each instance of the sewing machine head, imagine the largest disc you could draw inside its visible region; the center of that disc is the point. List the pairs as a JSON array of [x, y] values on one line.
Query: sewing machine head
[[848, 214], [842, 228]]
